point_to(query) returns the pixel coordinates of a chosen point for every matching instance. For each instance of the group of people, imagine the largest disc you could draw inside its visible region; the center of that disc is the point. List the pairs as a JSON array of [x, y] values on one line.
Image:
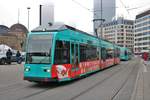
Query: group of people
[[9, 56]]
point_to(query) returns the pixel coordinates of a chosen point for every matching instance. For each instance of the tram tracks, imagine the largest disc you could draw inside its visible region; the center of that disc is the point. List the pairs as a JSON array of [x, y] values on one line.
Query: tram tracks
[[10, 87], [114, 97], [20, 86], [81, 93], [58, 86], [104, 80]]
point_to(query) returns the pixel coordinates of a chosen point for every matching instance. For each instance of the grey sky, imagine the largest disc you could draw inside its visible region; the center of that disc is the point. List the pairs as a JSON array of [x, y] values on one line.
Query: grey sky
[[65, 11]]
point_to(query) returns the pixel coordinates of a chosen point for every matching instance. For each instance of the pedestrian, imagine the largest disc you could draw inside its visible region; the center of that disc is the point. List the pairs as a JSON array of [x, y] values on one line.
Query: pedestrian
[[9, 55], [18, 57]]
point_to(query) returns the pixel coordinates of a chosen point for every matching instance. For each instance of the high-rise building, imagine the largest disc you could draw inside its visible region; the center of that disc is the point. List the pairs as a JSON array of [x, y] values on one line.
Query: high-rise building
[[120, 32], [142, 32], [46, 14], [108, 11]]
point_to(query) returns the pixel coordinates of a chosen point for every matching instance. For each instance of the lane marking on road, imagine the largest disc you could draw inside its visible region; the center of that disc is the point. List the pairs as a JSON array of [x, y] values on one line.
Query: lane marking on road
[[144, 63], [133, 96], [144, 66]]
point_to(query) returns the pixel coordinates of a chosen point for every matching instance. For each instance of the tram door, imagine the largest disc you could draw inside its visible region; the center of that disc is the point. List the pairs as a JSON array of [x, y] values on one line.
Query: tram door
[[75, 58], [115, 55]]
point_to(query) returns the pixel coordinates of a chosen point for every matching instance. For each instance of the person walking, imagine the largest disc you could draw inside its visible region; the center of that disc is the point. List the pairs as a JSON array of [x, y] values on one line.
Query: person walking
[[18, 57], [9, 55]]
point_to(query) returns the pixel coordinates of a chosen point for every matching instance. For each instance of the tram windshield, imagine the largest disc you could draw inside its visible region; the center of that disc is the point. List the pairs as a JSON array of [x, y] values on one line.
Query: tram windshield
[[126, 52], [39, 49]]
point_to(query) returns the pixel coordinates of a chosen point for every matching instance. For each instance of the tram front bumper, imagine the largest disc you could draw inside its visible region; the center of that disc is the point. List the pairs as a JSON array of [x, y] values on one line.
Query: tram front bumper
[[40, 79]]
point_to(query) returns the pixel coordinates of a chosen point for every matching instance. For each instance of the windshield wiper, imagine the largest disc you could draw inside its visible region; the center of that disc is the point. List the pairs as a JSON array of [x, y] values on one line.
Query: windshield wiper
[[43, 60], [40, 62]]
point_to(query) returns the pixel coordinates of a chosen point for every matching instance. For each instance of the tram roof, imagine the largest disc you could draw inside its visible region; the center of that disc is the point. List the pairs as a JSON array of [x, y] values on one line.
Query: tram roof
[[51, 27], [57, 27], [60, 27]]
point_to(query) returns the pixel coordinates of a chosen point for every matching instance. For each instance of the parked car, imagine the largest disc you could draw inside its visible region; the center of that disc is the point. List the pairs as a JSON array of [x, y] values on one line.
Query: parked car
[[13, 58], [3, 58], [3, 50]]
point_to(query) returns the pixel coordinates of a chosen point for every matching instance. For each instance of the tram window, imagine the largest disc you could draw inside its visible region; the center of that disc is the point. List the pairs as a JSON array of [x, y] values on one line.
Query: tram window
[[82, 53], [88, 53], [91, 53], [126, 53], [97, 53], [110, 53], [115, 52], [74, 55], [62, 52], [103, 53], [118, 52]]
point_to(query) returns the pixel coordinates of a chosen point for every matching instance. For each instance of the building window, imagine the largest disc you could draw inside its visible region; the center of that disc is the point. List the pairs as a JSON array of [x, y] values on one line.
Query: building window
[[122, 30]]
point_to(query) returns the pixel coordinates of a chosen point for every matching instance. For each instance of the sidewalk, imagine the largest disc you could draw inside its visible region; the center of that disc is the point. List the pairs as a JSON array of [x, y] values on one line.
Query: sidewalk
[[146, 75], [142, 84]]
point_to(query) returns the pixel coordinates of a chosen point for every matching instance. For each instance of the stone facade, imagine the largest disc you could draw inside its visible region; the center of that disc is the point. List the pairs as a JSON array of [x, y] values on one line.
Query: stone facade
[[11, 41], [15, 37]]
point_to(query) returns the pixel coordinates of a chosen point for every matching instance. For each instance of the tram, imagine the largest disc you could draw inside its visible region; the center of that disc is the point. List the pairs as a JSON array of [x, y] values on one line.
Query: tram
[[61, 53], [125, 54]]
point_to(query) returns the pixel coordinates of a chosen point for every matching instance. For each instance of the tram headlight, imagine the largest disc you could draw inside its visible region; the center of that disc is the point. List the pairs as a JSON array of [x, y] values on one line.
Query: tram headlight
[[47, 70], [27, 69]]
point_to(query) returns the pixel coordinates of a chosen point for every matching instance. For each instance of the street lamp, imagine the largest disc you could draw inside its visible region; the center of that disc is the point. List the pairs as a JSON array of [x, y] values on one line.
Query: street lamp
[[28, 8]]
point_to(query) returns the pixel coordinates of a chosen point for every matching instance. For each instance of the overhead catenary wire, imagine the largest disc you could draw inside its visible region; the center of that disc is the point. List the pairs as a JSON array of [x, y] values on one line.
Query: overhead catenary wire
[[141, 6], [86, 8], [82, 5], [124, 6], [129, 9]]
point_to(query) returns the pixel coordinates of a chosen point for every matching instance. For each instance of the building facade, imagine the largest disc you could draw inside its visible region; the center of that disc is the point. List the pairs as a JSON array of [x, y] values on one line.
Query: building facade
[[120, 32], [108, 11], [142, 32], [14, 37]]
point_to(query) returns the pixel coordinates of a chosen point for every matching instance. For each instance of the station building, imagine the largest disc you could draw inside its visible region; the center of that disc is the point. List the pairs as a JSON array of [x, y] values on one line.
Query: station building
[[14, 36]]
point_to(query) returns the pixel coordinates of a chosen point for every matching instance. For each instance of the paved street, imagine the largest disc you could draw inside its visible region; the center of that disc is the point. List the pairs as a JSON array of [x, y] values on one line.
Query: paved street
[[126, 81]]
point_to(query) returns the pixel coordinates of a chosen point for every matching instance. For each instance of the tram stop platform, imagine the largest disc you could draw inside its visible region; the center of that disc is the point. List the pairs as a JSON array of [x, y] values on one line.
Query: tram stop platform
[[142, 84]]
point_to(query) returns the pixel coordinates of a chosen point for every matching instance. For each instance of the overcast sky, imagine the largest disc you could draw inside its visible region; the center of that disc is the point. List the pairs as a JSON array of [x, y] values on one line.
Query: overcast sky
[[65, 11]]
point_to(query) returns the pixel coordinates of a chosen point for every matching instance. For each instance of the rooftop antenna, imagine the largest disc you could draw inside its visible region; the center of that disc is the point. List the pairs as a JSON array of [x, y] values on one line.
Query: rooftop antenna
[[50, 23]]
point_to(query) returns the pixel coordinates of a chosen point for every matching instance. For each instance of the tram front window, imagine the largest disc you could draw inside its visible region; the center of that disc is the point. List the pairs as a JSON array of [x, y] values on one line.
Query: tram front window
[[39, 49], [126, 53]]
